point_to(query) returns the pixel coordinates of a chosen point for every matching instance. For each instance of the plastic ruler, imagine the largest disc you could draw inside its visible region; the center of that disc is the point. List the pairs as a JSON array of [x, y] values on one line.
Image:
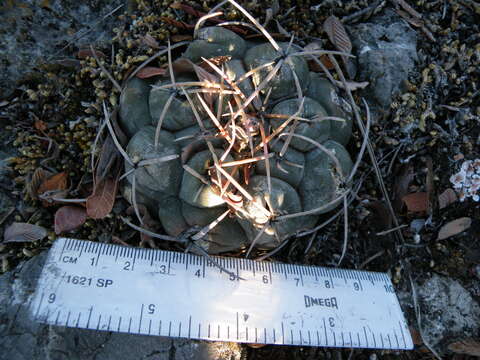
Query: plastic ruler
[[109, 287]]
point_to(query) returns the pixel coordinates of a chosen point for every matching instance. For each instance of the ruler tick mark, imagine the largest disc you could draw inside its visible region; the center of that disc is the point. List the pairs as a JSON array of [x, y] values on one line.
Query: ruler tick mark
[[403, 336], [119, 323], [169, 328], [68, 318], [130, 324], [140, 320], [325, 330], [160, 328], [78, 319], [109, 321], [189, 325], [58, 316], [283, 334], [179, 329], [99, 319], [366, 338], [89, 316], [199, 329]]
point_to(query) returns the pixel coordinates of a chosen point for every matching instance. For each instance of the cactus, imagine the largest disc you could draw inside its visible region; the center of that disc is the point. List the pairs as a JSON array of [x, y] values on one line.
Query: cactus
[[246, 152]]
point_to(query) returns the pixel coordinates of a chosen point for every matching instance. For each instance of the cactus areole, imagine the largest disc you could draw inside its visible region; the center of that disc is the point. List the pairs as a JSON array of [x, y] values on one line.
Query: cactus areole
[[239, 142]]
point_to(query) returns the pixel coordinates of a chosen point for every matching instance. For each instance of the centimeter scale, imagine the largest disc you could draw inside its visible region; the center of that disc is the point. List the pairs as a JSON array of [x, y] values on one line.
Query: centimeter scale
[[109, 287]]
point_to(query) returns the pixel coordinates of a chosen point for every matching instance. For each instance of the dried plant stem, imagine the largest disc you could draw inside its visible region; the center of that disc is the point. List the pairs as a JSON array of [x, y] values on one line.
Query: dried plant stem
[[257, 24], [148, 232], [345, 231], [114, 136], [202, 20], [364, 145]]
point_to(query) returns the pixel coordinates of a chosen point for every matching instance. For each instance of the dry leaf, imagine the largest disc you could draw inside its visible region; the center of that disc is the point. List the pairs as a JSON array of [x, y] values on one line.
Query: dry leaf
[[23, 232], [149, 40], [337, 34], [416, 202], [108, 156], [454, 227], [446, 198], [40, 125], [83, 54], [325, 60], [150, 71], [416, 337], [403, 178], [408, 8], [468, 347], [68, 218], [38, 177], [54, 182], [53, 187], [100, 203], [352, 85]]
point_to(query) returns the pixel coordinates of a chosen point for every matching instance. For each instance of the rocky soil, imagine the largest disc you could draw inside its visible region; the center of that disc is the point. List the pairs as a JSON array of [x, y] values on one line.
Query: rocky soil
[[422, 63]]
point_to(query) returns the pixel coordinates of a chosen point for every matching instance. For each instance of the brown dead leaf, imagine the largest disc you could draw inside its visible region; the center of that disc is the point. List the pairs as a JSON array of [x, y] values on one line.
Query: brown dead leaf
[[454, 227], [430, 185], [403, 178], [40, 125], [38, 177], [54, 182], [149, 40], [53, 187], [313, 65], [101, 202], [68, 218], [150, 71], [468, 347], [416, 202], [337, 34], [23, 232], [84, 53], [416, 337], [183, 37], [107, 159], [446, 198]]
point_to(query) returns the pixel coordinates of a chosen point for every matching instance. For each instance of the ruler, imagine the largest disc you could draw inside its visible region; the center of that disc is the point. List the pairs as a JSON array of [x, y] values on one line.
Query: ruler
[[109, 287]]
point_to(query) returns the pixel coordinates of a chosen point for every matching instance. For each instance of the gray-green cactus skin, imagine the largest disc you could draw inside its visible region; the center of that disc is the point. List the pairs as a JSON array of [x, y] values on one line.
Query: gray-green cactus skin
[[303, 177]]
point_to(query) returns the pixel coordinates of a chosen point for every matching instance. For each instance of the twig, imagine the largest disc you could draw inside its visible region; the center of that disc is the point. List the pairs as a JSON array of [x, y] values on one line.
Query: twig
[[111, 78]]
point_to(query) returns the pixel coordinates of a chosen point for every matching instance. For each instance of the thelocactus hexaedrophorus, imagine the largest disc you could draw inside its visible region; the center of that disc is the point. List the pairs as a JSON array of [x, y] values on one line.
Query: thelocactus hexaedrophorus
[[239, 145]]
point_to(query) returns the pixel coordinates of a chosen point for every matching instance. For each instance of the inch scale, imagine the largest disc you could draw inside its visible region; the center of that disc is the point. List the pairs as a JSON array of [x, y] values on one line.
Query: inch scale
[[109, 287]]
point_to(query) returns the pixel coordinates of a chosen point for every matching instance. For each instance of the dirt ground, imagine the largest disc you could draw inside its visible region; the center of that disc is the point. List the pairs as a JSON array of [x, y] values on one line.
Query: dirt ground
[[51, 117]]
